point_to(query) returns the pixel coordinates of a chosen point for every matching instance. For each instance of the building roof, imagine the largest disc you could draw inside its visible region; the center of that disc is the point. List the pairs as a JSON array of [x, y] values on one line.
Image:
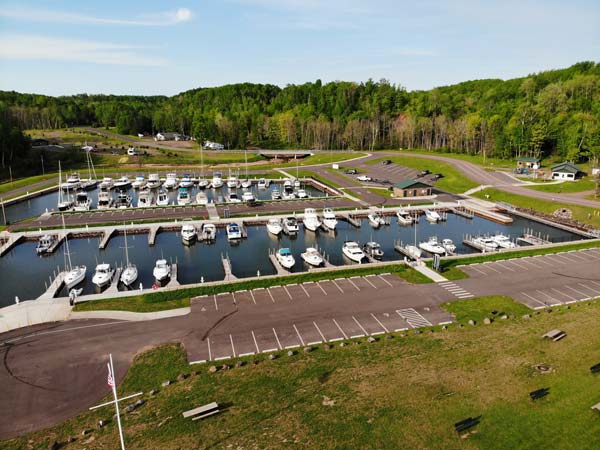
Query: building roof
[[566, 167], [407, 184], [529, 159]]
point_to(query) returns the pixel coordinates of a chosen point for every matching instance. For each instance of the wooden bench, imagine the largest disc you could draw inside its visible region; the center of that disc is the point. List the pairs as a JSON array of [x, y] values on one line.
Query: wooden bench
[[555, 335], [202, 412], [465, 424]]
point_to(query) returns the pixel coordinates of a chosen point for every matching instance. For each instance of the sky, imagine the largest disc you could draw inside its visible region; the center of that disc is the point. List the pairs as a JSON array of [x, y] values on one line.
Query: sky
[[161, 47]]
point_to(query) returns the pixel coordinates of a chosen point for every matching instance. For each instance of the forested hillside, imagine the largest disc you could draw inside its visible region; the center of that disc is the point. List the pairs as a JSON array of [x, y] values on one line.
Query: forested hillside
[[553, 112]]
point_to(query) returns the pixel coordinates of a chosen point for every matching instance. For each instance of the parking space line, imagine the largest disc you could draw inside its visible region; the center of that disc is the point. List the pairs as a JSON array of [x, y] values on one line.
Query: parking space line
[[575, 290], [232, 347], [520, 266], [270, 295], [386, 281], [221, 358], [287, 292], [562, 293], [542, 259], [550, 297], [298, 333], [233, 296], [255, 343], [336, 285], [315, 343], [489, 266], [589, 288], [564, 257], [361, 327], [597, 284], [321, 287], [534, 299], [472, 266], [209, 352], [340, 328], [216, 306], [305, 291], [252, 295], [319, 330], [380, 324], [277, 338], [505, 266], [372, 285], [241, 355], [352, 283], [579, 257]]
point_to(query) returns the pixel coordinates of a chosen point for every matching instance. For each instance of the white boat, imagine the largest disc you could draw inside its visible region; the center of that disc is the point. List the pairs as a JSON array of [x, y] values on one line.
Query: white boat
[[301, 193], [73, 182], [170, 181], [432, 216], [83, 202], [201, 198], [329, 219], [288, 195], [188, 233], [486, 244], [376, 220], [107, 184], [162, 270], [285, 258], [203, 183], [448, 245], [312, 257], [65, 203], [153, 181], [139, 182], [103, 275], [413, 251], [248, 196], [233, 182], [233, 198], [353, 251], [311, 219], [123, 200], [122, 183], [233, 231], [274, 226], [208, 232], [432, 246], [246, 184], [290, 225], [183, 197], [217, 180], [404, 217], [45, 243], [373, 249], [130, 272], [74, 274], [275, 194], [186, 181], [162, 199], [503, 241], [296, 183], [262, 183], [145, 198], [91, 181]]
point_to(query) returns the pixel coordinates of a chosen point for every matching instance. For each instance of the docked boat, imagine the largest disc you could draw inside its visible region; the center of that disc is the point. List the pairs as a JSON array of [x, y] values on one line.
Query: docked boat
[[201, 198], [130, 272], [183, 197], [186, 181], [486, 244], [83, 202], [162, 199], [311, 219], [329, 219], [217, 180], [203, 183], [233, 182], [448, 245], [233, 198], [65, 201], [432, 246], [275, 194], [301, 193], [188, 233], [373, 249], [432, 216], [91, 182], [503, 241], [274, 226], [139, 182], [153, 181], [285, 258], [312, 257], [45, 243], [103, 275], [208, 232], [162, 270], [296, 183], [262, 183], [246, 183], [107, 184], [123, 182], [123, 200], [290, 225], [170, 181], [353, 251], [74, 276], [376, 220], [404, 217], [145, 198], [413, 251], [233, 231], [73, 182], [248, 197]]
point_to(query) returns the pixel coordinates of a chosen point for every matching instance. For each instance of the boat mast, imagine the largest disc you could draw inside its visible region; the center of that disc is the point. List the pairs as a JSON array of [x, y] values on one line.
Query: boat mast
[[59, 185], [126, 248], [68, 264], [246, 161]]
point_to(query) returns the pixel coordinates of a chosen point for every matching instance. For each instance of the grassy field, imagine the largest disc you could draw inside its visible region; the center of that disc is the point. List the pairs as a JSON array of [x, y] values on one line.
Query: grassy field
[[23, 182], [580, 213], [77, 136], [382, 191], [405, 392], [475, 159], [585, 184]]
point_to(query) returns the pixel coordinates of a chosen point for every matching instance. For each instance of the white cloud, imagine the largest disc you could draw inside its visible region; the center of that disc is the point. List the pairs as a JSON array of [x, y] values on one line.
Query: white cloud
[[165, 18], [32, 47]]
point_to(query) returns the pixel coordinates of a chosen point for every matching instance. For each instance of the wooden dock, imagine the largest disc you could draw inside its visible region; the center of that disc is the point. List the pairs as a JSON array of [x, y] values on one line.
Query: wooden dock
[[10, 243], [278, 267], [54, 287], [240, 223], [106, 237], [152, 232], [351, 219], [400, 249], [174, 281], [468, 241], [114, 283], [229, 276], [463, 212], [533, 240]]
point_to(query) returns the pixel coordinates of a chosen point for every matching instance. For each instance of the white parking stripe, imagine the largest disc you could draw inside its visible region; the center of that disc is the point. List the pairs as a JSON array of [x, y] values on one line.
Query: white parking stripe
[[413, 318], [287, 292], [575, 290], [209, 352], [216, 306], [232, 347], [550, 297], [253, 299], [299, 336], [340, 328], [367, 280], [386, 281], [270, 295], [489, 266], [277, 339], [255, 343], [361, 327], [534, 299], [565, 294], [336, 285], [321, 287], [319, 330], [505, 266], [305, 291], [589, 288], [352, 283], [472, 266], [380, 324]]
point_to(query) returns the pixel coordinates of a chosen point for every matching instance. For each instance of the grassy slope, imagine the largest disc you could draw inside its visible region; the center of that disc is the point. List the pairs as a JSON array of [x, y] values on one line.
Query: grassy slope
[[585, 184], [23, 182], [405, 392]]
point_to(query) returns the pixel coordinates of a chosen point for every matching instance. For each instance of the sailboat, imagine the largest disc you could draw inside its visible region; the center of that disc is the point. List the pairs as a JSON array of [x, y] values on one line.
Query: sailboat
[[246, 183], [202, 182], [130, 272], [412, 250], [64, 204], [75, 274], [92, 181]]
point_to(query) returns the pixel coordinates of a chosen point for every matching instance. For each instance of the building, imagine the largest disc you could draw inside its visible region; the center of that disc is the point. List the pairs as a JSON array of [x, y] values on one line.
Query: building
[[411, 188], [171, 137], [529, 163], [566, 171], [209, 145]]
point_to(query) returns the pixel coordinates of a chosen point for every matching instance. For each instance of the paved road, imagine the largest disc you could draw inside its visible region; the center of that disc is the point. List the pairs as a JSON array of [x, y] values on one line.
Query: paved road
[[53, 372]]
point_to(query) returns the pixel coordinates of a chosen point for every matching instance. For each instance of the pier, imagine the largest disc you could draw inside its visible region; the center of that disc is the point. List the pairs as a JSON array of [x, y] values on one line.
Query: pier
[[351, 219], [402, 250], [463, 212], [229, 276], [13, 239], [174, 282], [469, 241], [152, 232], [278, 267], [54, 287], [240, 223], [531, 239], [59, 238], [114, 283], [108, 232]]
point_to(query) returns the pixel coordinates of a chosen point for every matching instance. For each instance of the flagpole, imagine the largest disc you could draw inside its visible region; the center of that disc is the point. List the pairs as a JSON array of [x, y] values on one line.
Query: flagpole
[[114, 389]]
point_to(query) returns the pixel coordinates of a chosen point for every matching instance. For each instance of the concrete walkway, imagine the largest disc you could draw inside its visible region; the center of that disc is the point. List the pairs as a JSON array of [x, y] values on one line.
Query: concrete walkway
[[33, 312], [130, 316], [429, 273]]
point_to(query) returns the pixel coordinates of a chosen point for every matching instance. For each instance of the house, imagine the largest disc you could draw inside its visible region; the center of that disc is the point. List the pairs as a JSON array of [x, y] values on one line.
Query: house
[[411, 188], [209, 145], [566, 171], [529, 163]]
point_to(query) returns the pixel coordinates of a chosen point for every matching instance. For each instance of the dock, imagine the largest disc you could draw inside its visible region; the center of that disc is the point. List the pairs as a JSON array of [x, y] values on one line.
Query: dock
[[10, 243], [54, 287], [59, 238], [240, 223], [351, 219], [213, 214], [152, 232], [106, 237], [531, 239], [469, 241], [463, 212], [400, 249], [229, 276], [114, 283], [278, 267], [174, 281]]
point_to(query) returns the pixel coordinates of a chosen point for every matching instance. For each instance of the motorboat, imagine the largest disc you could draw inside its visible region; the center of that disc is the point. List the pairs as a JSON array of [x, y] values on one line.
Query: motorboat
[[139, 182], [288, 186], [183, 197], [162, 270], [275, 194], [486, 244], [170, 181], [130, 272], [217, 180], [296, 183], [373, 249], [503, 241], [246, 183], [432, 216], [288, 195], [83, 202], [188, 233], [107, 184], [153, 181], [248, 196], [103, 275], [201, 198], [208, 232], [233, 182], [329, 219], [301, 193], [45, 243], [233, 198], [312, 257], [376, 220], [74, 276], [186, 181], [163, 198], [352, 251], [66, 204], [262, 183], [311, 219], [145, 198], [404, 217], [203, 183], [413, 251], [233, 231], [123, 200], [123, 182], [290, 225], [432, 246], [274, 226], [285, 258], [448, 245], [73, 182]]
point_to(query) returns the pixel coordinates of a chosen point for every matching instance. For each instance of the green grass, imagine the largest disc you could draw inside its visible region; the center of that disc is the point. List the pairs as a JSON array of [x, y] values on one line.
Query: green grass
[[585, 184], [24, 182], [475, 159], [478, 309], [157, 300], [453, 181], [581, 213], [305, 173], [341, 174], [405, 392], [385, 192], [316, 159]]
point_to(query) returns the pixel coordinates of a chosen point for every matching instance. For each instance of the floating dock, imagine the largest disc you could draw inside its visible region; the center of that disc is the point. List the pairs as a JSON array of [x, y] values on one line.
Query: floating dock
[[152, 232], [471, 243], [278, 267], [463, 212], [400, 249], [174, 281], [106, 237], [114, 282], [533, 240], [54, 287], [229, 276], [10, 243], [351, 219]]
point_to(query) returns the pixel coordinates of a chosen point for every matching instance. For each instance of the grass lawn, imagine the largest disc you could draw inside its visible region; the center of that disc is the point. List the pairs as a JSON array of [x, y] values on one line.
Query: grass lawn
[[23, 182], [402, 393], [306, 173], [585, 184], [475, 159], [580, 213], [382, 191], [478, 309], [453, 181]]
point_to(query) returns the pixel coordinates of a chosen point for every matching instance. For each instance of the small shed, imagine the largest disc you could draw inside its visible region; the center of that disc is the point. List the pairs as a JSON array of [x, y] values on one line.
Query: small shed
[[411, 188], [566, 171], [529, 163]]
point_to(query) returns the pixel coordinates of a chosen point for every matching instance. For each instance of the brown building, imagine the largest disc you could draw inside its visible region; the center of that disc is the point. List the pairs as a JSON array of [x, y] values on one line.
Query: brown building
[[411, 188]]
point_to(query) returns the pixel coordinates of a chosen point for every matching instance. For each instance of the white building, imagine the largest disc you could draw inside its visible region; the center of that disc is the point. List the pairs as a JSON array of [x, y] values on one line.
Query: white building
[[209, 145]]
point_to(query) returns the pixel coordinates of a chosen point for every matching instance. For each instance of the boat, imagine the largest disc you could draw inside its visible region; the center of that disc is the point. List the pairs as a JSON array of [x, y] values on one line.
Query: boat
[[329, 219], [448, 245], [170, 181], [287, 195], [290, 225], [139, 182], [74, 276], [285, 258], [233, 198], [262, 183], [485, 244], [45, 243], [162, 270], [201, 198], [404, 217], [163, 198], [203, 183], [432, 246], [413, 251], [352, 251], [183, 197], [188, 233], [145, 198], [233, 231], [432, 216], [103, 275], [123, 182], [186, 181], [275, 194], [64, 203], [311, 219], [73, 182], [91, 181], [248, 197], [233, 182], [217, 180], [246, 184], [107, 184], [274, 226], [301, 193], [373, 249], [503, 241], [130, 272], [208, 232], [288, 185], [376, 220], [153, 181], [312, 257], [123, 200], [296, 183], [83, 202]]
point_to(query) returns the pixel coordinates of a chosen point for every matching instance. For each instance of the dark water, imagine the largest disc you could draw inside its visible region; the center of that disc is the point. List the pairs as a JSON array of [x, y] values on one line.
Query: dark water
[[23, 273]]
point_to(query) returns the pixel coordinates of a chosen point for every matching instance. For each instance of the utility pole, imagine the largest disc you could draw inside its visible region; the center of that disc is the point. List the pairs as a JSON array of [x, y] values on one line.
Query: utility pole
[[42, 156]]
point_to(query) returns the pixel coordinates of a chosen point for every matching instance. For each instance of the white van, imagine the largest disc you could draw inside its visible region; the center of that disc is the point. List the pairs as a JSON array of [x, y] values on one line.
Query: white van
[[132, 151]]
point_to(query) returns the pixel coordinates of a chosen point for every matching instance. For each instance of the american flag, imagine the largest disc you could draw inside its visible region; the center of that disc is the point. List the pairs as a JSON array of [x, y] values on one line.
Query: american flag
[[111, 379]]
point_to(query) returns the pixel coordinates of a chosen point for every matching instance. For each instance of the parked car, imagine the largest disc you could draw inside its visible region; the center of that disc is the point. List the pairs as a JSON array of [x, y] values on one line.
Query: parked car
[[364, 178], [351, 171], [437, 176], [386, 162], [424, 172]]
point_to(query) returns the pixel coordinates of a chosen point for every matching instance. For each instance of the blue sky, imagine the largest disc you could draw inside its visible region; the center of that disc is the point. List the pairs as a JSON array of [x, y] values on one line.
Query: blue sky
[[164, 47]]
